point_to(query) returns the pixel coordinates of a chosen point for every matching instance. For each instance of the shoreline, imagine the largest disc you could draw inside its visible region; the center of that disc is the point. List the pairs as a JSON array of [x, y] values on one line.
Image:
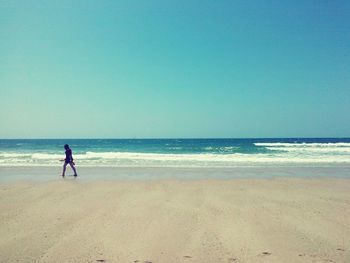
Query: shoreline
[[45, 174]]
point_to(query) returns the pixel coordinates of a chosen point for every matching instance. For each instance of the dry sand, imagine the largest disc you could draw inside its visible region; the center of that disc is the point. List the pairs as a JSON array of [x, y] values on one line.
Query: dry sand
[[266, 220]]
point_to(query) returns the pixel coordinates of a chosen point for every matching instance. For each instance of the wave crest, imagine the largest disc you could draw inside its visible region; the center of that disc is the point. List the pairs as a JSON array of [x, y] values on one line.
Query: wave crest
[[280, 156]]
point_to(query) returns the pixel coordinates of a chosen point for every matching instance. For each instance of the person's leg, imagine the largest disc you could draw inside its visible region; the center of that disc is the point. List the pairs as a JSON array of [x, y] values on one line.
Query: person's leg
[[64, 169], [75, 171]]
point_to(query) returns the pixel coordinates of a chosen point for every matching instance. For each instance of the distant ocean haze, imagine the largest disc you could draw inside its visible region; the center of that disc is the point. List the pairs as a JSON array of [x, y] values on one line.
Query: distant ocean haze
[[179, 152]]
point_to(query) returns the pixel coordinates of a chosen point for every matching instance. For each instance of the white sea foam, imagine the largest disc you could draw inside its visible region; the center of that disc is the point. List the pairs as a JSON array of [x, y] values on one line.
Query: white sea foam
[[294, 155], [279, 144], [14, 155], [310, 150], [174, 148], [327, 150], [44, 156]]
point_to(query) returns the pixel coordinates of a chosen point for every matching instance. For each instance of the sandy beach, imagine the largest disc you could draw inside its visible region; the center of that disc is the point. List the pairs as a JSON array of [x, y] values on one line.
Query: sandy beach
[[236, 220], [174, 131]]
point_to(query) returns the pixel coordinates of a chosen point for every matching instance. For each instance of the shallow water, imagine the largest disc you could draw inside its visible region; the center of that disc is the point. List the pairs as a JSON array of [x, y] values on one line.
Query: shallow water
[[44, 174]]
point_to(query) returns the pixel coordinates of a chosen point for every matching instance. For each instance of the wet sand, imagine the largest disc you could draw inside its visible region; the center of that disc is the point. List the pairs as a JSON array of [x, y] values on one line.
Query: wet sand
[[236, 220]]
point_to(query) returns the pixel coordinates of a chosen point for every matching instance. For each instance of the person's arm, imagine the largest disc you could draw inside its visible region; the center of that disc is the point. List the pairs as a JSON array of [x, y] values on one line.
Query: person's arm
[[71, 156], [67, 157]]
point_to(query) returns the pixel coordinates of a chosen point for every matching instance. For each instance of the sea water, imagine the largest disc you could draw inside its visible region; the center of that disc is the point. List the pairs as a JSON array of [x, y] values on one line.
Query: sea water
[[187, 153]]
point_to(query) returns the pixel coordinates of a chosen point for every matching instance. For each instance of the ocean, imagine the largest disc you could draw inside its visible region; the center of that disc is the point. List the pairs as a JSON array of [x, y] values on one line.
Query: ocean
[[226, 153]]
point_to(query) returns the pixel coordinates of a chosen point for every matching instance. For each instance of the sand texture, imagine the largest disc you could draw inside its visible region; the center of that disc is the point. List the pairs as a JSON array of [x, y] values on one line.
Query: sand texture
[[266, 220]]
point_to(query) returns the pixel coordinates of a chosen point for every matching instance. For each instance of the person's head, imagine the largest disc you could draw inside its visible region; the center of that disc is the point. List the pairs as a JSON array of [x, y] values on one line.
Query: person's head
[[66, 146]]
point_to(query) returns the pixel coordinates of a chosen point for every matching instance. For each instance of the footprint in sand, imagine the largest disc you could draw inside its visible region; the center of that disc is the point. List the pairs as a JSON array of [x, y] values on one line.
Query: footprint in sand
[[314, 256], [187, 257]]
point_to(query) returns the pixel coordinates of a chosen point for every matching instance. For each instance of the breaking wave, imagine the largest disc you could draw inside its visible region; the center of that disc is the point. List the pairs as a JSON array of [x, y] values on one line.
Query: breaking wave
[[288, 155]]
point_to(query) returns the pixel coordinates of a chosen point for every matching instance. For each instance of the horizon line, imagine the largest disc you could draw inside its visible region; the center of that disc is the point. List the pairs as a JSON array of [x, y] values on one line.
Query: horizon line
[[172, 138]]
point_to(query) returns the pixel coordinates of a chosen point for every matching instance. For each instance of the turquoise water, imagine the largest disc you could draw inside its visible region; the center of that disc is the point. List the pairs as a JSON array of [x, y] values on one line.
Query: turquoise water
[[179, 152]]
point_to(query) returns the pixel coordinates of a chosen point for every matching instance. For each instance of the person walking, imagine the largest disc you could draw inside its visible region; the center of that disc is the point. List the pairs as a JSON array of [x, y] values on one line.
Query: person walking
[[68, 160]]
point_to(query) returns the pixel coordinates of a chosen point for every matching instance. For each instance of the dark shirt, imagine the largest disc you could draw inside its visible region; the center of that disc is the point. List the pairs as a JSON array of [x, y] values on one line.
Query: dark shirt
[[69, 157]]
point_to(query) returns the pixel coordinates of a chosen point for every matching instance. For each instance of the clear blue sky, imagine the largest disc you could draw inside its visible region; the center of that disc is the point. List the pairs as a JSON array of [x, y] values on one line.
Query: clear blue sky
[[148, 69]]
